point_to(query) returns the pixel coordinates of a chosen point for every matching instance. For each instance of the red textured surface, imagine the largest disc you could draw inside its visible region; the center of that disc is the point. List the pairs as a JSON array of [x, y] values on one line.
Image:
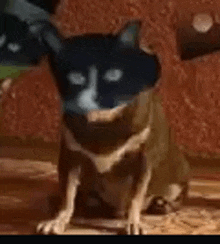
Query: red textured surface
[[190, 89], [31, 107]]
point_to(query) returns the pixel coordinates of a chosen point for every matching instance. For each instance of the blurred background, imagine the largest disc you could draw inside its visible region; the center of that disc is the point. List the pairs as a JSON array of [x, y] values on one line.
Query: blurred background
[[190, 88]]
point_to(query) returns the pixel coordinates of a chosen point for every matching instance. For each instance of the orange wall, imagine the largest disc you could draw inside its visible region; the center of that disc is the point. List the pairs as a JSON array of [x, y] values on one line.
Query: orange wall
[[190, 89]]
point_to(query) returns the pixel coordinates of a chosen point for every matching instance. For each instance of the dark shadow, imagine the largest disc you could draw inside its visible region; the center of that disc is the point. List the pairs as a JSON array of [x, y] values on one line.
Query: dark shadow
[[203, 162], [28, 148], [48, 5], [203, 202], [192, 44]]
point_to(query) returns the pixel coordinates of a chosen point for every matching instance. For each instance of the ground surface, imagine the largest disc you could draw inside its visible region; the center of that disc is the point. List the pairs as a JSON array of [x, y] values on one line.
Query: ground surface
[[25, 185]]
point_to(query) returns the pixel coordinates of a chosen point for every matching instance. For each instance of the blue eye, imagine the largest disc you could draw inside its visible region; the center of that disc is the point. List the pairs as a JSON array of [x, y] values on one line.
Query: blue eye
[[2, 40], [113, 75], [14, 47], [76, 78]]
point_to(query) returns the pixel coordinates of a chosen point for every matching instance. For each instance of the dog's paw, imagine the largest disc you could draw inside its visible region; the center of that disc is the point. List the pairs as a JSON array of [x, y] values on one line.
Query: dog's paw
[[132, 229], [54, 227]]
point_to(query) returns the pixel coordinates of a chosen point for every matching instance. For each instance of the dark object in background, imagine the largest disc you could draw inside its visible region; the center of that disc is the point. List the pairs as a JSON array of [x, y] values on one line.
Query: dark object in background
[[198, 38], [30, 10], [20, 46], [47, 5]]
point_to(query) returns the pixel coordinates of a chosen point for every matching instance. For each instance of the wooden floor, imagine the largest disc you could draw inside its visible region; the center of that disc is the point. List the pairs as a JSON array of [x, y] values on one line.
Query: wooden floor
[[28, 175]]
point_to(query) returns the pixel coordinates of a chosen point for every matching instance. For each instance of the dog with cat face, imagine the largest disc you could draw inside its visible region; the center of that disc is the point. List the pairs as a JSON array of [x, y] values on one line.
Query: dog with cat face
[[115, 138]]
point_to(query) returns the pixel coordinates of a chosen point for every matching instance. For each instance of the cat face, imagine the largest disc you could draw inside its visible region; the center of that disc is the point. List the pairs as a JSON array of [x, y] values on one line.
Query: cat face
[[93, 71], [97, 71], [17, 44]]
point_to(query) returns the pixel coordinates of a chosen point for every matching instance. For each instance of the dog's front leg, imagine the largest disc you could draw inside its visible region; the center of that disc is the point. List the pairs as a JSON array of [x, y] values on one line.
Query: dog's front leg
[[69, 181], [134, 212]]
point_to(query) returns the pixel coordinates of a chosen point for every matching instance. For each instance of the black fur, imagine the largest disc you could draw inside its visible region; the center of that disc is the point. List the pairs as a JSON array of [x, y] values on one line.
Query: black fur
[[104, 52], [17, 32]]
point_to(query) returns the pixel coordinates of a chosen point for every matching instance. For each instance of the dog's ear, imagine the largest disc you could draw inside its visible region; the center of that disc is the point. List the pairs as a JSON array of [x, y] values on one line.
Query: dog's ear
[[128, 36]]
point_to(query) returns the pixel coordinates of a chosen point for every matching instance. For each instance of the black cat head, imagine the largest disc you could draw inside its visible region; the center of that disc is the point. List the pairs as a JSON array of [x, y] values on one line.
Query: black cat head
[[93, 71], [96, 71], [19, 44]]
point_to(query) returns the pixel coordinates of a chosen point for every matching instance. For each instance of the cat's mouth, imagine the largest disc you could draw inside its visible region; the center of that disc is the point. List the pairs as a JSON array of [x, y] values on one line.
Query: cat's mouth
[[105, 115]]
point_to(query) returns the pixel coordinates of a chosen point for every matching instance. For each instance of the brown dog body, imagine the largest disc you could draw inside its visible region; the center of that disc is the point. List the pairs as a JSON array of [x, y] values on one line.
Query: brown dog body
[[125, 157]]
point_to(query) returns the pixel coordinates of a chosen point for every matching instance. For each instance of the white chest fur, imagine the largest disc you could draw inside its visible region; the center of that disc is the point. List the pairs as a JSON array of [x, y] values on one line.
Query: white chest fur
[[104, 162]]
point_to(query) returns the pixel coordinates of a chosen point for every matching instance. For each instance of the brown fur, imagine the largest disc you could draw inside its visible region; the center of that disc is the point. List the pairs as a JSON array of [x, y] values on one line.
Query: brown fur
[[124, 158]]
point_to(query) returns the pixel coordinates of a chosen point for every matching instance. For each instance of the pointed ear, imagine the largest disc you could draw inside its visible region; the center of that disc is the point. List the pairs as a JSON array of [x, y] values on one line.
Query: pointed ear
[[128, 37]]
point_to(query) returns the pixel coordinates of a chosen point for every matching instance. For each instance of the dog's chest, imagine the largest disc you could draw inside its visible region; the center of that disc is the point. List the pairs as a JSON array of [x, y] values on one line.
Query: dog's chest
[[106, 162], [115, 172]]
